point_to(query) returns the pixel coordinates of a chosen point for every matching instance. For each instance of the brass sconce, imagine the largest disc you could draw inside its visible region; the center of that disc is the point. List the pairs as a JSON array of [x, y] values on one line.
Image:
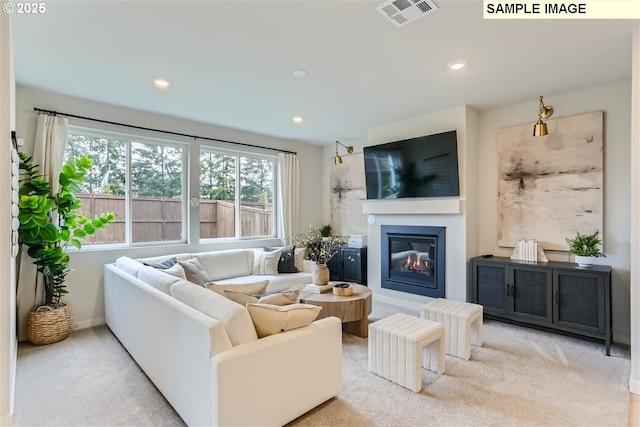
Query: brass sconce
[[540, 128], [349, 151]]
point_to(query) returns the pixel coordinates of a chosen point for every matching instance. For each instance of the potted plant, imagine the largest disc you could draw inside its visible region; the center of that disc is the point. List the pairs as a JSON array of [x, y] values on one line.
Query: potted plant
[[319, 249], [49, 223], [585, 247], [325, 231]]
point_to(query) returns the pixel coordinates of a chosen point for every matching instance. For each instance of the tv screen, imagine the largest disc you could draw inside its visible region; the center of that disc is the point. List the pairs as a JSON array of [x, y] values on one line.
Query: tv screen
[[426, 166]]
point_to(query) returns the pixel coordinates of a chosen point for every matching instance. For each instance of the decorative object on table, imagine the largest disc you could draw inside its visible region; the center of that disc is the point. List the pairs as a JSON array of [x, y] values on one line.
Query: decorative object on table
[[357, 241], [551, 186], [586, 248], [325, 231], [318, 289], [342, 289], [49, 223], [320, 250], [529, 250]]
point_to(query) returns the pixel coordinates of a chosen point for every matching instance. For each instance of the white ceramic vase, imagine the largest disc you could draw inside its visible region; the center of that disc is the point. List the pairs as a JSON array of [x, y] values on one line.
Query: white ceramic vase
[[584, 261]]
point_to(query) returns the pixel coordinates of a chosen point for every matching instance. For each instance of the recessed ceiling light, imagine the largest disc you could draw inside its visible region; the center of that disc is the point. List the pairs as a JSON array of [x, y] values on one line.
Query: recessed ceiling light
[[299, 73], [161, 83], [297, 119], [456, 66]]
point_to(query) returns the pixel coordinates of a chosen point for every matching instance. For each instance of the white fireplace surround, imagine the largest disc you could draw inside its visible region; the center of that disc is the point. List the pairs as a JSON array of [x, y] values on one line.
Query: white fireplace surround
[[449, 205]]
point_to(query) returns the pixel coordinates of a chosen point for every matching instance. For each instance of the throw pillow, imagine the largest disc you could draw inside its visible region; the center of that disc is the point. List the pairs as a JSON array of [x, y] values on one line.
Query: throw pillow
[[194, 271], [177, 271], [286, 263], [277, 298], [167, 263], [272, 319], [266, 263], [247, 288], [242, 298], [280, 298]]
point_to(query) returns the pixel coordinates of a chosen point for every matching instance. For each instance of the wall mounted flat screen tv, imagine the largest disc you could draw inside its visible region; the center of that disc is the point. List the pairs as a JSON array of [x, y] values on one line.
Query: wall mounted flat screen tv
[[426, 166]]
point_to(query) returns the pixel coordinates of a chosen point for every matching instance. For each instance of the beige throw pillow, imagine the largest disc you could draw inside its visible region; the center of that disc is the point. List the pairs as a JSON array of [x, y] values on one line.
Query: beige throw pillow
[[194, 271], [272, 319], [266, 263], [278, 298], [246, 288]]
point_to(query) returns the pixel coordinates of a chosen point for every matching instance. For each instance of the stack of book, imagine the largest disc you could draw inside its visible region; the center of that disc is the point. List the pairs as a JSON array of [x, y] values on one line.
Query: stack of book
[[316, 289]]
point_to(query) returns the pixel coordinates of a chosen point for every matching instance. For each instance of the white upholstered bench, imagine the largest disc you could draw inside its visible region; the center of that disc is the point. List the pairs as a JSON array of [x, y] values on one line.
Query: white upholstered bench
[[400, 345], [462, 321]]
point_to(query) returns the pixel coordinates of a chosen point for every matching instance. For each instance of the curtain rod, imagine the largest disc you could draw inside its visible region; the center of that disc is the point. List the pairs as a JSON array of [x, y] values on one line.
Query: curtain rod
[[55, 113]]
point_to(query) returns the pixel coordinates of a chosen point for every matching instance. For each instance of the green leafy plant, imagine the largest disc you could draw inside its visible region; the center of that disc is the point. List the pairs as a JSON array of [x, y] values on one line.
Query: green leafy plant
[[325, 230], [49, 223], [586, 245], [316, 248]]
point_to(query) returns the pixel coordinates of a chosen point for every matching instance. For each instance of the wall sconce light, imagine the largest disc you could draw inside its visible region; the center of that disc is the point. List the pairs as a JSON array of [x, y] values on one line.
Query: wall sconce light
[[349, 151], [540, 128]]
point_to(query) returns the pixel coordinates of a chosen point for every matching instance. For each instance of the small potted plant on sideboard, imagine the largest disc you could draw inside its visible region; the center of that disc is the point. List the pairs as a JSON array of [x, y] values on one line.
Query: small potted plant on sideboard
[[585, 247]]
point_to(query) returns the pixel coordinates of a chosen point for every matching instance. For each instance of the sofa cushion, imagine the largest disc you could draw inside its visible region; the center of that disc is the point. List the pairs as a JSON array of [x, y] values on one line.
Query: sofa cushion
[[194, 271], [227, 263], [286, 263], [157, 278], [167, 263], [266, 262], [272, 319], [129, 265], [247, 288], [235, 318]]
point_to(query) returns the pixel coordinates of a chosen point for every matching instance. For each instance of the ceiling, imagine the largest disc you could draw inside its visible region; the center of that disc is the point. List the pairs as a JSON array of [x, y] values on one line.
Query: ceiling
[[231, 63]]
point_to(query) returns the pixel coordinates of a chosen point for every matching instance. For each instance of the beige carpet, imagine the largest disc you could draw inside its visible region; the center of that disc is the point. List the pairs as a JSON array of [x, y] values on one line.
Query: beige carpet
[[519, 377]]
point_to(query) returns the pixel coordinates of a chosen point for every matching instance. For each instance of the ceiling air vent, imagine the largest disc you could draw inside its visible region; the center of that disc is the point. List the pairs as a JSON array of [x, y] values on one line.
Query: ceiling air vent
[[401, 12]]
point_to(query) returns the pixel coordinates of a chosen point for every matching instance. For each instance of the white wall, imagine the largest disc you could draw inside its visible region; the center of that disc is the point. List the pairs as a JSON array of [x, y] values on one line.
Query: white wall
[[85, 283], [615, 100], [7, 264]]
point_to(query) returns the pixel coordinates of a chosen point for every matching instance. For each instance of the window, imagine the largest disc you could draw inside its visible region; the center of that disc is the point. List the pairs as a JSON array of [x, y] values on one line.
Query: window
[[140, 180], [236, 195]]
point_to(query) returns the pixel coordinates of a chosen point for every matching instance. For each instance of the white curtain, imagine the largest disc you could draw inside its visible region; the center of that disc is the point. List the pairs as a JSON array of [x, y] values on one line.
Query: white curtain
[[48, 153], [288, 197]]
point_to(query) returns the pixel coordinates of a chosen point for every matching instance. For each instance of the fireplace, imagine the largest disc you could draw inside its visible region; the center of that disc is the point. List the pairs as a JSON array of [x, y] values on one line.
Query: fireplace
[[413, 259]]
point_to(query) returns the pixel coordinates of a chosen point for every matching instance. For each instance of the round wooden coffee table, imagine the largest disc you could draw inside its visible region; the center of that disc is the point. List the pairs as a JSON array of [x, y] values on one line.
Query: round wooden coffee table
[[353, 310]]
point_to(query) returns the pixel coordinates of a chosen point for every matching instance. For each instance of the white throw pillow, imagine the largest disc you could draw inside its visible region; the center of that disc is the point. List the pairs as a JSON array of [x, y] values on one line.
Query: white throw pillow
[[234, 317], [266, 263], [194, 271], [176, 270], [272, 319]]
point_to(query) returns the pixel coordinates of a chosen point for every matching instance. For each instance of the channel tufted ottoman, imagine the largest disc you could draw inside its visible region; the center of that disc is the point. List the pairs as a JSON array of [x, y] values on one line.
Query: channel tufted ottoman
[[462, 321], [400, 345]]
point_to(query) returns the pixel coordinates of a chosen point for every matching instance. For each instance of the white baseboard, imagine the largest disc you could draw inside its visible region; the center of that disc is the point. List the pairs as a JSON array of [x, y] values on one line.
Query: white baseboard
[[398, 301], [90, 323], [6, 420], [634, 386]]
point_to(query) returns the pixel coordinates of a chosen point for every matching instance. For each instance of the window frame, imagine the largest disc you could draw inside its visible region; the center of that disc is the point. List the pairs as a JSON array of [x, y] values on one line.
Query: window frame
[[129, 139], [210, 148]]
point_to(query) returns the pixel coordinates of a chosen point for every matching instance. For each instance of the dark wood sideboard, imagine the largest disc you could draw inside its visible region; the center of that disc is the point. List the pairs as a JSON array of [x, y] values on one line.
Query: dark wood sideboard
[[555, 296]]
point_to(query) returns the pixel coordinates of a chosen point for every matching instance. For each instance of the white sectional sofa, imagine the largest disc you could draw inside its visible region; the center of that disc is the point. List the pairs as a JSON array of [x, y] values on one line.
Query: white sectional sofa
[[202, 351]]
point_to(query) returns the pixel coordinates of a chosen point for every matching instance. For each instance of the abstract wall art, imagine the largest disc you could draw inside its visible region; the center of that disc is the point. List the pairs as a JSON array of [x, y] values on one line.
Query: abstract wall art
[[551, 186], [347, 187]]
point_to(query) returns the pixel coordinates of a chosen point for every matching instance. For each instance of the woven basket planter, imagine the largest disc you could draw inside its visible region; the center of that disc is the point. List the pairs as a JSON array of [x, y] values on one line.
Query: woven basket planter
[[47, 325]]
